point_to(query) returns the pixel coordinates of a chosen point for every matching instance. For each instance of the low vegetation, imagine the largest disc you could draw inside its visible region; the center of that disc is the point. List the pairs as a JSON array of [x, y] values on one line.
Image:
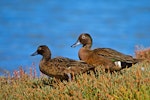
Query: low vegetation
[[129, 84]]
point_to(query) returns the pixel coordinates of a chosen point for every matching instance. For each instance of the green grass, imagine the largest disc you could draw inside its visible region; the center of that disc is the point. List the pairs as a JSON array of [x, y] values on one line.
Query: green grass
[[129, 84]]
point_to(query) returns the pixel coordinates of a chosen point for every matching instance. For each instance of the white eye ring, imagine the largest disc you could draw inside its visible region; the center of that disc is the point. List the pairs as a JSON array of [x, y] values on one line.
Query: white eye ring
[[40, 48], [83, 36]]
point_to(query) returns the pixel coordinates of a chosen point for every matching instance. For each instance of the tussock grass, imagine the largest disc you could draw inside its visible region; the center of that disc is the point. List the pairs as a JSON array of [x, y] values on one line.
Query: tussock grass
[[142, 53], [129, 84], [133, 83]]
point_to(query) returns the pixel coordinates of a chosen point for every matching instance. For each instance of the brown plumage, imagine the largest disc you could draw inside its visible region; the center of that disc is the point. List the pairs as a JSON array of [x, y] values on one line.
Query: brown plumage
[[60, 67], [102, 55]]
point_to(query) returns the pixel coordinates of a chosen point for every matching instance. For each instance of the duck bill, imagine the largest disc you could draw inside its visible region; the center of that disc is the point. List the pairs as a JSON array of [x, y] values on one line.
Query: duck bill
[[76, 44], [34, 54]]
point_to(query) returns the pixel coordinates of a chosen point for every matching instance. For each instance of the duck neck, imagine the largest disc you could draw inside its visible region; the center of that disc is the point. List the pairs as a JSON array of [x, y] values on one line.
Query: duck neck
[[83, 53], [87, 46], [46, 57]]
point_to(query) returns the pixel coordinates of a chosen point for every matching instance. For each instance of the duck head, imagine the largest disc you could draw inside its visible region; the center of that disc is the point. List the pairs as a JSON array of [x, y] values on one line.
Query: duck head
[[42, 50], [84, 39]]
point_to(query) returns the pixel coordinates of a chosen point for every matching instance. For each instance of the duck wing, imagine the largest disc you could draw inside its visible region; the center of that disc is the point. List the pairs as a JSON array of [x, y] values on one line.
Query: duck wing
[[67, 65], [114, 55]]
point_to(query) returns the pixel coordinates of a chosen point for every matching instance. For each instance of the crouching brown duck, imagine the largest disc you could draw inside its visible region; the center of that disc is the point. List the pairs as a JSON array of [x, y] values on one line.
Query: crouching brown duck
[[102, 55], [60, 67]]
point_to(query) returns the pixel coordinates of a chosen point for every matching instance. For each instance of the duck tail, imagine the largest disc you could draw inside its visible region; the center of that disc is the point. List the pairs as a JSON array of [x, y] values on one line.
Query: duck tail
[[123, 65], [137, 60], [127, 65]]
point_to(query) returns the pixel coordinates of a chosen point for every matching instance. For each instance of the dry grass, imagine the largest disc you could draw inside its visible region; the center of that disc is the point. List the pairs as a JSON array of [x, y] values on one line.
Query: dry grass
[[142, 53], [129, 84]]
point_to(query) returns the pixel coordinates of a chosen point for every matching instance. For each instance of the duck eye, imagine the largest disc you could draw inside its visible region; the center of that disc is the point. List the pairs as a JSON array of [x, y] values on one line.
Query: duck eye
[[83, 37], [39, 48]]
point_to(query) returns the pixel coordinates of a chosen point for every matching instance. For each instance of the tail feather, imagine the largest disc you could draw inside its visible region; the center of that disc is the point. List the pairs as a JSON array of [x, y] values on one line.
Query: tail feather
[[137, 60]]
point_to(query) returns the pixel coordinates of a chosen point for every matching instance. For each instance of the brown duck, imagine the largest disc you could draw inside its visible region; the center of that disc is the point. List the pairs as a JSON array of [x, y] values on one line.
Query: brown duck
[[102, 56], [60, 67]]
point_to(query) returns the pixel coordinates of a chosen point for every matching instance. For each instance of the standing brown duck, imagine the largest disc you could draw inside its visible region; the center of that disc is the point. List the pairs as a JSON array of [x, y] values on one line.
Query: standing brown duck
[[92, 56], [60, 67]]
